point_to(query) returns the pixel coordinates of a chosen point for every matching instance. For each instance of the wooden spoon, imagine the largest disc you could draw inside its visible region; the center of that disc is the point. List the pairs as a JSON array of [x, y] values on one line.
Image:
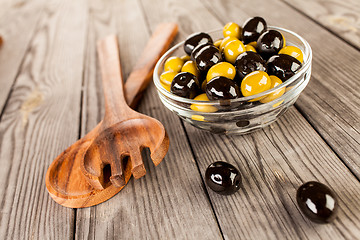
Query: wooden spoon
[[65, 180]]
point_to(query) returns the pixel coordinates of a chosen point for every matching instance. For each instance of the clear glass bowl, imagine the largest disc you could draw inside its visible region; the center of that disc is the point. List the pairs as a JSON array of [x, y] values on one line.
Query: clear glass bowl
[[241, 115]]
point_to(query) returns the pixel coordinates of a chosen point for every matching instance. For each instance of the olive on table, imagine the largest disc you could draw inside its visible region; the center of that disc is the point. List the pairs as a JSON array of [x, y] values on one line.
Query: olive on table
[[166, 79], [173, 64], [283, 66], [292, 51], [223, 178], [207, 57], [254, 83], [185, 84], [224, 69], [252, 29], [233, 49], [248, 62], [196, 39], [317, 202], [232, 29], [269, 43], [190, 66], [220, 88]]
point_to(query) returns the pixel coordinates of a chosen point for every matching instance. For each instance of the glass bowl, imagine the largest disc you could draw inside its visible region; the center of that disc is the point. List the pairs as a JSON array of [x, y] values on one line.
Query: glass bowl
[[240, 115]]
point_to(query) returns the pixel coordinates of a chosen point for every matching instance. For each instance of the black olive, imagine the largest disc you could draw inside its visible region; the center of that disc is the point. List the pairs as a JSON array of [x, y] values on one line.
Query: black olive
[[196, 50], [185, 84], [223, 178], [220, 88], [283, 66], [207, 57], [252, 29], [196, 39], [317, 202], [248, 62], [269, 43]]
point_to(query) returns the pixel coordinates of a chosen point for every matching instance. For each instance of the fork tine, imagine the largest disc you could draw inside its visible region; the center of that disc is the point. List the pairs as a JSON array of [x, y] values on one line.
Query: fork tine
[[138, 169], [159, 151]]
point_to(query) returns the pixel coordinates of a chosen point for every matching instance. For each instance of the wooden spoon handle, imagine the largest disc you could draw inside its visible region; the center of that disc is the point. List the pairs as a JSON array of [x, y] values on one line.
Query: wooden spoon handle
[[142, 72], [113, 86]]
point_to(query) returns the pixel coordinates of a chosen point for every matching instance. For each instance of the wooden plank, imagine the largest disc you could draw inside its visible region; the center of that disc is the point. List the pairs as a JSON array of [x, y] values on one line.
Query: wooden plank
[[265, 209], [331, 101], [341, 17], [17, 26], [169, 201], [40, 120]]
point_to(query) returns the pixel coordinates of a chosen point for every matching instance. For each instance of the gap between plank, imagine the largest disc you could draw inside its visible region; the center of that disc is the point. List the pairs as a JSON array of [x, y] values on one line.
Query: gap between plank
[[321, 25], [74, 224], [202, 179], [81, 113]]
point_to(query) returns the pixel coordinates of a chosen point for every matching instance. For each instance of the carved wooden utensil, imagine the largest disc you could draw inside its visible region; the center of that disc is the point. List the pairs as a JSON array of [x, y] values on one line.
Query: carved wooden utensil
[[124, 132], [65, 180]]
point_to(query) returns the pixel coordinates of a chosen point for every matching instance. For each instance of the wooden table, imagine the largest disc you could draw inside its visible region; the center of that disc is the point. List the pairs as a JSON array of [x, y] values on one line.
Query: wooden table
[[51, 95]]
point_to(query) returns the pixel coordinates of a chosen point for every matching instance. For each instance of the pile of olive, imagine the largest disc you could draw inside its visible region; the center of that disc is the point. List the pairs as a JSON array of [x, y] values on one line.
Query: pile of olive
[[315, 200], [249, 60]]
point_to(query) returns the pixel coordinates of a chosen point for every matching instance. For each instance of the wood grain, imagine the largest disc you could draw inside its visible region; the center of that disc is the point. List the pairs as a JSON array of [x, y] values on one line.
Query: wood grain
[[331, 101], [15, 20], [164, 207], [341, 17], [264, 208], [39, 121]]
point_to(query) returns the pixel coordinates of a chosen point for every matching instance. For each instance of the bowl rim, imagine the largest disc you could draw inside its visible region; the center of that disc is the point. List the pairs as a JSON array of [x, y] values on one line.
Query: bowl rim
[[305, 65]]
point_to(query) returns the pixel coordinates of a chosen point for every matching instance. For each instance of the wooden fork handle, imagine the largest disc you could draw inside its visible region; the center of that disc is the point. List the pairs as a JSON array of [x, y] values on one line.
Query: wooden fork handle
[[143, 70]]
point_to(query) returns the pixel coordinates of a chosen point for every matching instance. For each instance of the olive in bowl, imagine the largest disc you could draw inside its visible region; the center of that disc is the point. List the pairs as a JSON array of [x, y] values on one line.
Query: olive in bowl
[[195, 40], [258, 110], [185, 84]]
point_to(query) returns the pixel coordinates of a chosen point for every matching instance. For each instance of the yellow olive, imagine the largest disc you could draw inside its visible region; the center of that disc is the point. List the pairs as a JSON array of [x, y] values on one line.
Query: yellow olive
[[202, 107], [284, 44], [292, 51], [254, 83], [166, 79], [275, 81], [252, 44], [224, 69], [198, 118], [232, 50], [173, 64], [225, 41], [249, 48], [190, 67], [185, 58], [232, 29], [217, 43]]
